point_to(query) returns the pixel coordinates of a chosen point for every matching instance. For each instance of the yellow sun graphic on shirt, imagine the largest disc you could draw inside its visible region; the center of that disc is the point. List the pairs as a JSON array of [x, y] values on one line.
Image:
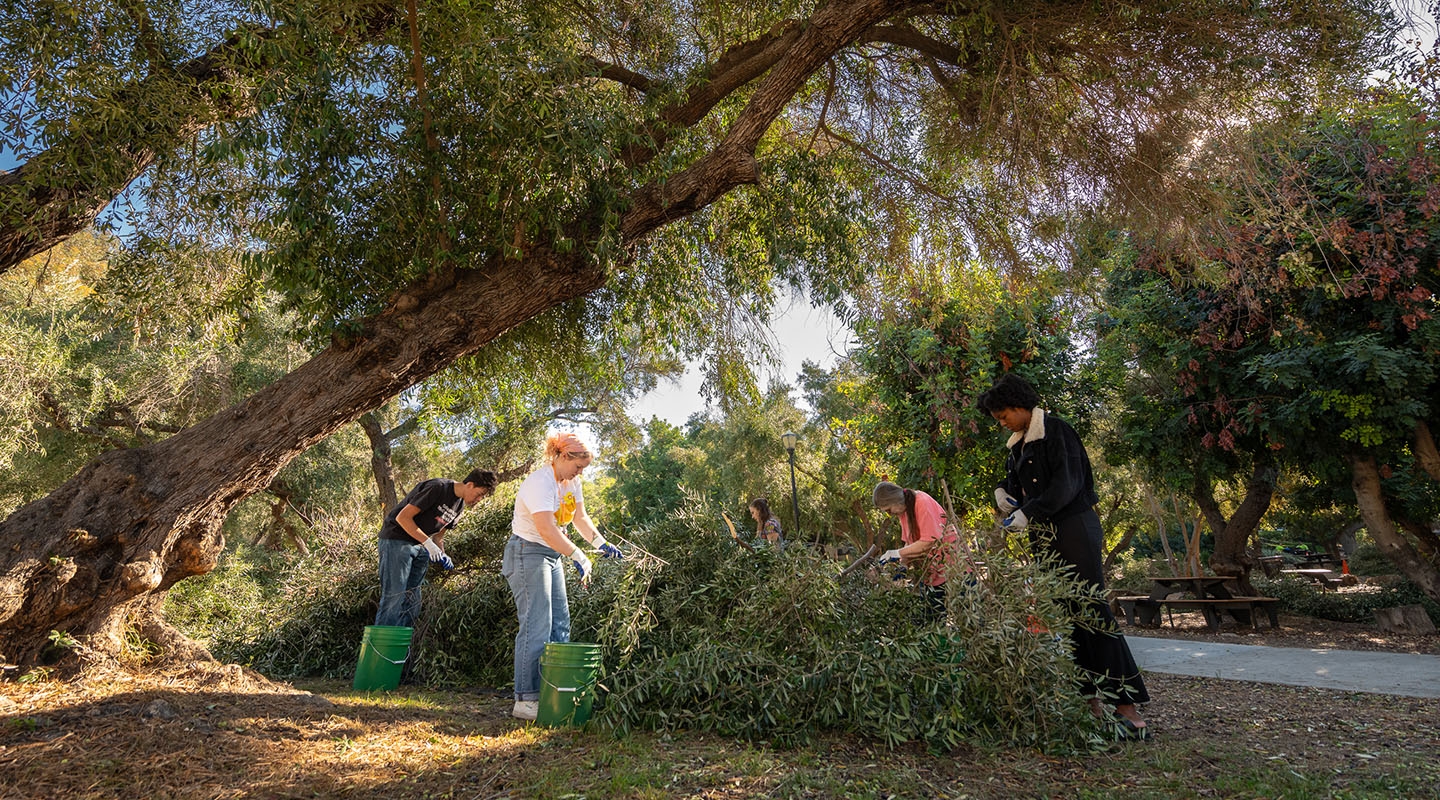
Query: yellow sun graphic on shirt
[[567, 509]]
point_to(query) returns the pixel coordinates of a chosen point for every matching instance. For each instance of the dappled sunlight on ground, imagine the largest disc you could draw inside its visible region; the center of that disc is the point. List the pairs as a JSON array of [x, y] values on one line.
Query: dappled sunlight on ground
[[155, 736]]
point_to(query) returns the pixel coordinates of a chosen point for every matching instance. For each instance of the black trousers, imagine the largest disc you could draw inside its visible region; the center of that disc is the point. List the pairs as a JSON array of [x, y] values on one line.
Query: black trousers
[[1099, 650]]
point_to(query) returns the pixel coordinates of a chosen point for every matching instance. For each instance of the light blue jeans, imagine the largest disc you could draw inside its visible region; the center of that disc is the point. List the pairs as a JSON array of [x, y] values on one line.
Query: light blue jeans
[[402, 570], [537, 581]]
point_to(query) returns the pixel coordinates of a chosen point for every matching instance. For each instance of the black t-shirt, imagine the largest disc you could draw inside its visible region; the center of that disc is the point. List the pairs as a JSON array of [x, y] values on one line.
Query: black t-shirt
[[439, 508]]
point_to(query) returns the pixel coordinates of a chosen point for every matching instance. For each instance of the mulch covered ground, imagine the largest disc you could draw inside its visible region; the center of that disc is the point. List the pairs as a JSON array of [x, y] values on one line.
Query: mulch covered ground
[[222, 732]]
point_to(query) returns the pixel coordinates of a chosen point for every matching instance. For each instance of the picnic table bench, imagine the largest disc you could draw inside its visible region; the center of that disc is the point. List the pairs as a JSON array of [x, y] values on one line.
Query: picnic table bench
[[1319, 561], [1245, 610], [1272, 565], [1324, 577]]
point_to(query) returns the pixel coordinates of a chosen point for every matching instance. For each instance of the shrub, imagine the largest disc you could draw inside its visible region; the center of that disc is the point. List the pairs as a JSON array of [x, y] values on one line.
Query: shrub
[[1357, 604], [227, 604], [771, 646], [1131, 573], [704, 634]]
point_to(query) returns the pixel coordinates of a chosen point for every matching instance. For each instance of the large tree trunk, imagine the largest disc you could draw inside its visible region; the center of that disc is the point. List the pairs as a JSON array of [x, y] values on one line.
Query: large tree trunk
[[1231, 556], [1365, 477], [113, 538], [133, 522], [1425, 451]]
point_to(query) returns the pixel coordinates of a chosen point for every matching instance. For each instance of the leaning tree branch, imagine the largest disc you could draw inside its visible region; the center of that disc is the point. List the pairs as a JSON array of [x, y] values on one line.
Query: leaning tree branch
[[907, 36], [62, 189], [614, 72], [736, 67], [807, 47]]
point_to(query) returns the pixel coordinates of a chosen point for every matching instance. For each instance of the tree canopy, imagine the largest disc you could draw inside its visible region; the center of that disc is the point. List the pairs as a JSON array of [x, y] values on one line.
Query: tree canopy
[[417, 183], [1306, 332]]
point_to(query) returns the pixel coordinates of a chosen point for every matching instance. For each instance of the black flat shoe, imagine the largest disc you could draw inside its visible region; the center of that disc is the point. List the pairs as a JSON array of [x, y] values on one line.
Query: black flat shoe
[[1126, 729]]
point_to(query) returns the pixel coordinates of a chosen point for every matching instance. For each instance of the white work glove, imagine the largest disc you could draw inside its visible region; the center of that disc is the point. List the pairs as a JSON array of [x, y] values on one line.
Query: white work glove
[[437, 556], [1015, 522], [1005, 501], [606, 549], [888, 557], [582, 565]]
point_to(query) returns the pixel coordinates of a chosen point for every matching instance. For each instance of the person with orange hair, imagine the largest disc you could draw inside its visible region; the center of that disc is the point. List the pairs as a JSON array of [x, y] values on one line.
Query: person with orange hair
[[547, 502]]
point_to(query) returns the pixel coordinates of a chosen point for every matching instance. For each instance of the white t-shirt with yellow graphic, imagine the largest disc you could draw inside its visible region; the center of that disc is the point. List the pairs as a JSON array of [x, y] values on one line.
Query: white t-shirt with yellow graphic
[[541, 492]]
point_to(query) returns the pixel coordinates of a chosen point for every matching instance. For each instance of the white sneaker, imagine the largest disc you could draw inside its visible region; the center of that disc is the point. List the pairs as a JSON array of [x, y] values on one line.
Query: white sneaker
[[525, 709]]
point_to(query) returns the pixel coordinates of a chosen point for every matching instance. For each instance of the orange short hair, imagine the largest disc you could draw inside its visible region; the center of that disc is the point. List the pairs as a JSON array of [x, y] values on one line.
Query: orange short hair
[[563, 442]]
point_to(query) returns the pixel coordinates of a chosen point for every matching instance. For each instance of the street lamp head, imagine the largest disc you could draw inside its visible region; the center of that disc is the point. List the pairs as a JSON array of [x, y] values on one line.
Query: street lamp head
[[789, 440]]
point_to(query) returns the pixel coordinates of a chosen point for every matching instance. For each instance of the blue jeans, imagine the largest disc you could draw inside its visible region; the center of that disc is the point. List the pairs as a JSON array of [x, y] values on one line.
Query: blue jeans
[[537, 581], [402, 570]]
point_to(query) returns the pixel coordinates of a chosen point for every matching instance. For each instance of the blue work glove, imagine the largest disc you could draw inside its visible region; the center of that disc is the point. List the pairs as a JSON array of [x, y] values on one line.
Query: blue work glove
[[582, 565], [606, 549], [1005, 501], [437, 556], [888, 557], [1015, 522]]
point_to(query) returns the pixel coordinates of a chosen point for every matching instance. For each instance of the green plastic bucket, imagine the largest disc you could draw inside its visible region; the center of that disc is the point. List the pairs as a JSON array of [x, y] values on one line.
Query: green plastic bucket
[[384, 649], [568, 674]]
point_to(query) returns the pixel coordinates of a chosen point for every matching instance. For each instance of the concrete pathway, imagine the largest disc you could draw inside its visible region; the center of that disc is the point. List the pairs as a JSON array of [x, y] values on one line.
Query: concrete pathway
[[1345, 670]]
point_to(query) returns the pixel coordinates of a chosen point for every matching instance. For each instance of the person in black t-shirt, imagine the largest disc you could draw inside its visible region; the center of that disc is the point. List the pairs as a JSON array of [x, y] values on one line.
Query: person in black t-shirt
[[413, 536]]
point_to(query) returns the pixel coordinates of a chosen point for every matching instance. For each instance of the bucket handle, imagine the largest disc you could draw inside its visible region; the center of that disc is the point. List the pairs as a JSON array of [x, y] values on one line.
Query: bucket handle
[[367, 643], [586, 685], [575, 699]]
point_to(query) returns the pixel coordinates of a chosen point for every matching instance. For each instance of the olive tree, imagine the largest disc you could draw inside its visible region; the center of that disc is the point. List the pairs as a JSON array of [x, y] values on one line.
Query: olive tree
[[418, 180]]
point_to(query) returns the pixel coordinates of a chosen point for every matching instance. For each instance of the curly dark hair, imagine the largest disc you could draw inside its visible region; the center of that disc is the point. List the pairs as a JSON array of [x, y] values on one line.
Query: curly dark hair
[[1010, 391], [482, 478]]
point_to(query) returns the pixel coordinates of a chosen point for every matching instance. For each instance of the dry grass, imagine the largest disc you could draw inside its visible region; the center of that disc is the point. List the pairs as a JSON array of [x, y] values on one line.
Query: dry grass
[[225, 733]]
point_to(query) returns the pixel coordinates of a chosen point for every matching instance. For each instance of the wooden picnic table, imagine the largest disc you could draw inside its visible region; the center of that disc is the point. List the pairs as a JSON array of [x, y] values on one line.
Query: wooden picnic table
[[1324, 577], [1319, 560], [1199, 586], [1208, 594]]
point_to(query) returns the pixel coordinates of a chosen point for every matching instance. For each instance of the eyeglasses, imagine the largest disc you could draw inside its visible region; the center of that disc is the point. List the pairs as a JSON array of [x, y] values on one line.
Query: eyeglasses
[[579, 455]]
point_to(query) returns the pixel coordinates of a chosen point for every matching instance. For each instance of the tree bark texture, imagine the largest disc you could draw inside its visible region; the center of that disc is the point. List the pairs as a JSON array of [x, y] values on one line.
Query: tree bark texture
[[1425, 451], [380, 465], [1365, 477], [1231, 556], [109, 542]]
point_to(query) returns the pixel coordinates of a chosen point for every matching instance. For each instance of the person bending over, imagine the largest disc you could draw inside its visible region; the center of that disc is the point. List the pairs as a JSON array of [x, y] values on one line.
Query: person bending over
[[413, 536]]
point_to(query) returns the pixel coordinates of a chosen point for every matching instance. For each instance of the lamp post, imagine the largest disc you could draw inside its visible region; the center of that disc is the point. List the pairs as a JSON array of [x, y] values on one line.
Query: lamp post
[[789, 440]]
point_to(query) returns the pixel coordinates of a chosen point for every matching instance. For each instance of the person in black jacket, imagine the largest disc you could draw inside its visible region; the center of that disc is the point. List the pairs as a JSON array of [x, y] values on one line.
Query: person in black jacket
[[1049, 492]]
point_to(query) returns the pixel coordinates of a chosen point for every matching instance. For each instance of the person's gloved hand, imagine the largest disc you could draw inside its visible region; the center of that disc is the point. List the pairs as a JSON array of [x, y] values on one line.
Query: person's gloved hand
[[1005, 501], [606, 549], [1015, 522], [437, 556], [582, 565], [889, 556]]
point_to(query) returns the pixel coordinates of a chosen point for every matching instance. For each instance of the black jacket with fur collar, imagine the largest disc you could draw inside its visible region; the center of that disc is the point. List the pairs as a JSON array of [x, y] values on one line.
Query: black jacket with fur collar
[[1048, 470]]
